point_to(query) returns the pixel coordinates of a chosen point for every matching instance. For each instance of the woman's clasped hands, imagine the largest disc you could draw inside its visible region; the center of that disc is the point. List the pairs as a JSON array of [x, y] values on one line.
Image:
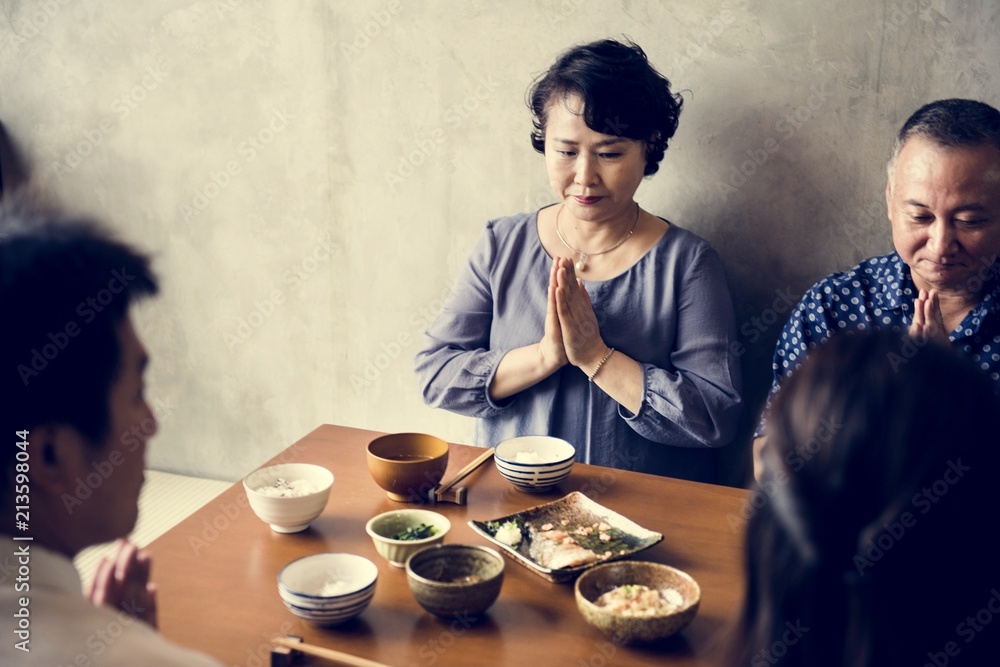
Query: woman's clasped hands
[[571, 337], [572, 333]]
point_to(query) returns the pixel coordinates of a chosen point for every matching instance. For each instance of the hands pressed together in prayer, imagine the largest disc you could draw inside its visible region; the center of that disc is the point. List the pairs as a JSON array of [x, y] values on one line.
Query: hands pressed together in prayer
[[927, 325], [928, 321], [572, 333], [572, 336], [122, 582]]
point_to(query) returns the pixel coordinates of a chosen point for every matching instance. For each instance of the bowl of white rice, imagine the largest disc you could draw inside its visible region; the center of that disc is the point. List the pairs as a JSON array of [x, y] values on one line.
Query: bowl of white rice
[[328, 588], [535, 463], [288, 496]]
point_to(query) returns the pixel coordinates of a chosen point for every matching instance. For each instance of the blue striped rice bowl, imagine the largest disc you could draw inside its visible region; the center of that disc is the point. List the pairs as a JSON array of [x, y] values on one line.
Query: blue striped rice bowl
[[535, 463], [328, 588]]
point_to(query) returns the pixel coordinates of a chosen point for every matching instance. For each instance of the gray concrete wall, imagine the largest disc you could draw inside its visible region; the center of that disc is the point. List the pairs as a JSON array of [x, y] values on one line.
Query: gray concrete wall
[[310, 175]]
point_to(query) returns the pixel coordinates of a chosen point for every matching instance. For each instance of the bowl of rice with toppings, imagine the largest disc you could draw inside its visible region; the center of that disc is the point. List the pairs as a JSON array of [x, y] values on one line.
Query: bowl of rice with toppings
[[637, 601], [288, 496]]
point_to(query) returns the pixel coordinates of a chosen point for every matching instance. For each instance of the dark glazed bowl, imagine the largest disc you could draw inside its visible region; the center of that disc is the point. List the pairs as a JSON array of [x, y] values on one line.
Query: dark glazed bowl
[[451, 579]]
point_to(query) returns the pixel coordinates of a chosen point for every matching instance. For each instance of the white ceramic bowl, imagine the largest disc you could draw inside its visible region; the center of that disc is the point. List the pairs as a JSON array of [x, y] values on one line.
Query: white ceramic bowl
[[328, 588], [381, 528], [291, 513], [535, 463]]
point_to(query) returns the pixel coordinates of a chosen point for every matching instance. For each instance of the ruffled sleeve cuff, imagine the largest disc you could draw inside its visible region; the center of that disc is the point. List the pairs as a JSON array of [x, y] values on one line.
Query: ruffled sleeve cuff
[[709, 416], [484, 370]]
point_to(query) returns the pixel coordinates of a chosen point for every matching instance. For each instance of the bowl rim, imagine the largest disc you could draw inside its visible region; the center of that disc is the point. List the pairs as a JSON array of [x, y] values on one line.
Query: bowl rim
[[444, 530], [592, 606], [329, 476], [369, 452], [365, 582], [529, 469], [454, 547], [498, 453]]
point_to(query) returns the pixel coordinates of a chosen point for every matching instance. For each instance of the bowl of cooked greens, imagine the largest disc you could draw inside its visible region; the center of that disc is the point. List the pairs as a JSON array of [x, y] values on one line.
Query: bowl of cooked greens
[[401, 533]]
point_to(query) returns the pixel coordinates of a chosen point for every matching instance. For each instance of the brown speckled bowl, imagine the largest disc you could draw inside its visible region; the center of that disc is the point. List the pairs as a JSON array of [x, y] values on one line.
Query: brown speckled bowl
[[439, 578], [636, 629]]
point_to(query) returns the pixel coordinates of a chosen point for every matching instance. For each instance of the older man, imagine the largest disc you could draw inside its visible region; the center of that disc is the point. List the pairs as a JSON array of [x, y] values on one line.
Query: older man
[[942, 282], [71, 387]]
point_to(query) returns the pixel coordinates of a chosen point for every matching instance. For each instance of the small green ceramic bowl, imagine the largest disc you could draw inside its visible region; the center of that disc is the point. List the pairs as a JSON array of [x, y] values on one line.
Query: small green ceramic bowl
[[383, 527]]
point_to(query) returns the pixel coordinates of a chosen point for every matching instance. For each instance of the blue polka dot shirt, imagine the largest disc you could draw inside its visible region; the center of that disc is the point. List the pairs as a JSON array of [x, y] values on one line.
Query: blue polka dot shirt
[[878, 293]]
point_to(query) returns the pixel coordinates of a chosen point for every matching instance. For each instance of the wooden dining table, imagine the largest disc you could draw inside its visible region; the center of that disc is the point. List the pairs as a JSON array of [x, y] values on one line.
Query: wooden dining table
[[217, 570]]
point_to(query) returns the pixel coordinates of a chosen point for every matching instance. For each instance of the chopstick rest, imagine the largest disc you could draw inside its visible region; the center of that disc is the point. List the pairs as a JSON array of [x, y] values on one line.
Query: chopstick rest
[[291, 647], [443, 493]]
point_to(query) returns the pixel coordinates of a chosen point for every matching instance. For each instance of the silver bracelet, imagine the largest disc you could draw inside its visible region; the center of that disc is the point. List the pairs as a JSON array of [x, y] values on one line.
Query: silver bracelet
[[590, 378]]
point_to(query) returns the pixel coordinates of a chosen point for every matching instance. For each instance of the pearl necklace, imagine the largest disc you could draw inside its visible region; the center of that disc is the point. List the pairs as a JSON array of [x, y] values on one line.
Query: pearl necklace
[[581, 264]]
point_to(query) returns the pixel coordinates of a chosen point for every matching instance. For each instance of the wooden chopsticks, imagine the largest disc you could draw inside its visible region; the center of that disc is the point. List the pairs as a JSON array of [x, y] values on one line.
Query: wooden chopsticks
[[326, 653], [464, 472]]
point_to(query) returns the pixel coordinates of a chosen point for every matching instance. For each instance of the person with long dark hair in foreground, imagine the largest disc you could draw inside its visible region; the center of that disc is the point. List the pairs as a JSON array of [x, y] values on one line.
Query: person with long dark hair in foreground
[[872, 538]]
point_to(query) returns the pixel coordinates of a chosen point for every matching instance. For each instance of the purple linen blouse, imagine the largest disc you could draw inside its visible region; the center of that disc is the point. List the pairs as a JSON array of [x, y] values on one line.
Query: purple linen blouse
[[671, 312]]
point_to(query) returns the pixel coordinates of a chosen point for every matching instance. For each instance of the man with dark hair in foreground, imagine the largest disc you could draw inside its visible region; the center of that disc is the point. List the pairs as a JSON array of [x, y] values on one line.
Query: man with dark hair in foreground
[[71, 387]]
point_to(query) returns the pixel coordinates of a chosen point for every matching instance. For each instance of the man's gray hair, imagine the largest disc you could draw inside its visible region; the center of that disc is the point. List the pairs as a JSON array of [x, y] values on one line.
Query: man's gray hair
[[950, 123]]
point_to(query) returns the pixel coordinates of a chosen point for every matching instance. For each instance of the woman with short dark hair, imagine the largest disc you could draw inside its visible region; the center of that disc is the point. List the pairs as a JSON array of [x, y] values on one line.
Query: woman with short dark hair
[[591, 319]]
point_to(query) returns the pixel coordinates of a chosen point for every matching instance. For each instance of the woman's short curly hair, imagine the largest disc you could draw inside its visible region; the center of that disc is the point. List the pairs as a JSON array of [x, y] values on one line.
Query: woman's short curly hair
[[622, 94]]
